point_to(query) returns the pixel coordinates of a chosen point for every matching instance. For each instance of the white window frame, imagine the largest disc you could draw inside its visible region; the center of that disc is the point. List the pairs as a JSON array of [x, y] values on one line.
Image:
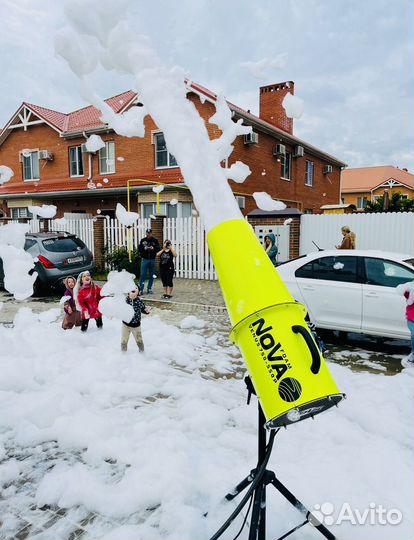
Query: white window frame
[[363, 205], [78, 153], [156, 152], [164, 209], [31, 166], [310, 168], [283, 162], [19, 215], [104, 159]]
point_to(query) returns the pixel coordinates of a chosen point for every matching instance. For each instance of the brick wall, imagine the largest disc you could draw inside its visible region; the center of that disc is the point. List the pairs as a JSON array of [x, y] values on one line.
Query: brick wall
[[294, 229], [271, 109], [139, 162]]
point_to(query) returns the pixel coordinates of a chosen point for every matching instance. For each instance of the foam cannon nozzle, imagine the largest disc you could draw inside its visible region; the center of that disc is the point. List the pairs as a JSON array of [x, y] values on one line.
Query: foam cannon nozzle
[[289, 374]]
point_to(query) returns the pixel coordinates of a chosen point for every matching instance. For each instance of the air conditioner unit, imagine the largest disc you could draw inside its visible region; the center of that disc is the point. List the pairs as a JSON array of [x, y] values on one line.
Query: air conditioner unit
[[279, 149], [251, 138], [84, 149], [45, 154], [299, 151], [327, 169]]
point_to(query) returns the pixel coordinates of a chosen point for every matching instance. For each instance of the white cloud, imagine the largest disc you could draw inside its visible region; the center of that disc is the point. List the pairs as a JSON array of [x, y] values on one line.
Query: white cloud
[[350, 66]]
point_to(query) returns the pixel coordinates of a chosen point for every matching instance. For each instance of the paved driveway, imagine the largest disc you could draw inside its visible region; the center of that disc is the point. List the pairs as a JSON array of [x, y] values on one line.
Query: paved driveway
[[203, 299]]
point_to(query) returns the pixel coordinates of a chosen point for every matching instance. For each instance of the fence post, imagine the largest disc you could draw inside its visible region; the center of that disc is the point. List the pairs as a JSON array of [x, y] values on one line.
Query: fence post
[[44, 225], [99, 240]]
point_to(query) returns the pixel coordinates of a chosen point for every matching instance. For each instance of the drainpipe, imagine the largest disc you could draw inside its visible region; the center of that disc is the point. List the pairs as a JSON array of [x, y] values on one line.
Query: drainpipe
[[90, 164]]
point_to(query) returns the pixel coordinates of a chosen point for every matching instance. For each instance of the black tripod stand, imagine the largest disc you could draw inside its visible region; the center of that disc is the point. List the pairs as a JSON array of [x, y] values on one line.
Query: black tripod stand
[[258, 479]]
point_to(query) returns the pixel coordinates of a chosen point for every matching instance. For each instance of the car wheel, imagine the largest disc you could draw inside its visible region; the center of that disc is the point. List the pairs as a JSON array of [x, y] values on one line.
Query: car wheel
[[39, 288]]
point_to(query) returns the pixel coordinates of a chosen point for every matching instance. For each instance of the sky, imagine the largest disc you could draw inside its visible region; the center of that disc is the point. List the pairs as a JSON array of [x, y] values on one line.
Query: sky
[[351, 62]]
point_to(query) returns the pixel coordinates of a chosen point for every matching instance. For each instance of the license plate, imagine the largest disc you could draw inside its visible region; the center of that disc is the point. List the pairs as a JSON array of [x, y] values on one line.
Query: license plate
[[72, 260]]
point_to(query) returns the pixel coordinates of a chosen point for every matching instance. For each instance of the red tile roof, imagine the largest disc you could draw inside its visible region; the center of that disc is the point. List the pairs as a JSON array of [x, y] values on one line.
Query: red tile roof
[[89, 117], [82, 119], [56, 118], [365, 179]]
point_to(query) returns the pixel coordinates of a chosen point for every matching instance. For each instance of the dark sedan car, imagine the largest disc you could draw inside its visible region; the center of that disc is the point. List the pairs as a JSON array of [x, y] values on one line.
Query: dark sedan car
[[59, 254]]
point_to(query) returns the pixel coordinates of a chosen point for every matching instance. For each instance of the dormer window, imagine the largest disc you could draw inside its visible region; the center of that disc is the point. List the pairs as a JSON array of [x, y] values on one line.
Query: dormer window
[[31, 170]]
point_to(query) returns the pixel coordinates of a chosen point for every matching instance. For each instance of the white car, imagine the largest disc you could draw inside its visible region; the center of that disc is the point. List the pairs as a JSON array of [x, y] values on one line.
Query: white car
[[352, 290]]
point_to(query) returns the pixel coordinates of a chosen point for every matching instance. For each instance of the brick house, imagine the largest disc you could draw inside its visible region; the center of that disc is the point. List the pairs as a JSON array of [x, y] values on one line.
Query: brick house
[[364, 184], [45, 150]]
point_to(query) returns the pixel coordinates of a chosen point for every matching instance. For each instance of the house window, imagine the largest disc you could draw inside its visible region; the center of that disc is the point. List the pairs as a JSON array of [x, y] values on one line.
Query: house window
[[21, 212], [107, 158], [170, 210], [76, 161], [286, 165], [186, 209], [309, 173], [162, 157], [361, 203], [31, 169], [241, 201], [166, 209], [308, 211]]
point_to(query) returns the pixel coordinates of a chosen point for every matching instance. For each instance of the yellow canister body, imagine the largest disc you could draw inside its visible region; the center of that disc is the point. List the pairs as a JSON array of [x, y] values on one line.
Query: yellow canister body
[[288, 372]]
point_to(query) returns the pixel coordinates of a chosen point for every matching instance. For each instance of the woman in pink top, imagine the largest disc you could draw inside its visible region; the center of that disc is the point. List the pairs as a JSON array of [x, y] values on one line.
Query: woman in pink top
[[407, 289]]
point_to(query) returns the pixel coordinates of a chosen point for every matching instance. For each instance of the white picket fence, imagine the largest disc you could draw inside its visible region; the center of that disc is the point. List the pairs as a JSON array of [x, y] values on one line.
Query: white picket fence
[[117, 235], [83, 228], [188, 238], [389, 231], [186, 234]]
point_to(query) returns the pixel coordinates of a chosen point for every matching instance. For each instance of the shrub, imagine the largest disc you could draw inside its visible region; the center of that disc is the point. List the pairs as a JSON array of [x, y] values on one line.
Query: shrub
[[118, 259]]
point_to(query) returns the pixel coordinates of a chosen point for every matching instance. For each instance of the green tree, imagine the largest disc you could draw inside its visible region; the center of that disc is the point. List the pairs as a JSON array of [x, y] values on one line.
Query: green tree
[[396, 203], [118, 259]]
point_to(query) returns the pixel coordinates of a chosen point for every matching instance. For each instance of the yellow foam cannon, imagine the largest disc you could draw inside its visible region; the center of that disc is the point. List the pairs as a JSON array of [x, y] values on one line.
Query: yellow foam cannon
[[288, 372]]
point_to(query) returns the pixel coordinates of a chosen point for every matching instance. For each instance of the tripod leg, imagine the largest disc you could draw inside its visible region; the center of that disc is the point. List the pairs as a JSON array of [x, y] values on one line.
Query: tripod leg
[[242, 485], [301, 507], [258, 521]]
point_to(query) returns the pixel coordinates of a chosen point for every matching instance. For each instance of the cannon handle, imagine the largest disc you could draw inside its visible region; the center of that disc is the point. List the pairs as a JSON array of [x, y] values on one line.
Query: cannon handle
[[316, 357]]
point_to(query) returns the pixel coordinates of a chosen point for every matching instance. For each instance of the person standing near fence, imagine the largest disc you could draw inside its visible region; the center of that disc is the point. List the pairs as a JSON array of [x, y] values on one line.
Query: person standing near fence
[[167, 256], [148, 249], [270, 247], [348, 240]]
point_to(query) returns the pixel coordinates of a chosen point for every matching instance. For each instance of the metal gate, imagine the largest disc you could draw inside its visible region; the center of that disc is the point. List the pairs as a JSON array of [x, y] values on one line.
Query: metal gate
[[281, 233]]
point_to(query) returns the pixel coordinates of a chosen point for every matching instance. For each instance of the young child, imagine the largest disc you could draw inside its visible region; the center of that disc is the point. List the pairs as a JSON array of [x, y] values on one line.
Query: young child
[[87, 295], [72, 315], [134, 325]]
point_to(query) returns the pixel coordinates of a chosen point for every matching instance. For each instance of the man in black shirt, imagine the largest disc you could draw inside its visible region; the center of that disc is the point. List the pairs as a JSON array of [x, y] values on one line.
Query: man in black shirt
[[148, 249]]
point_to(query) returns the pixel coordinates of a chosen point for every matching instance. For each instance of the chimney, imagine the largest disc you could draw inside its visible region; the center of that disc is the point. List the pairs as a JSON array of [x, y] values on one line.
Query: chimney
[[270, 107]]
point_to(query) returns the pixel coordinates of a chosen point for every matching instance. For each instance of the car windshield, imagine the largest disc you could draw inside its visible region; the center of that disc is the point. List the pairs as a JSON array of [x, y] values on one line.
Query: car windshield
[[62, 245]]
